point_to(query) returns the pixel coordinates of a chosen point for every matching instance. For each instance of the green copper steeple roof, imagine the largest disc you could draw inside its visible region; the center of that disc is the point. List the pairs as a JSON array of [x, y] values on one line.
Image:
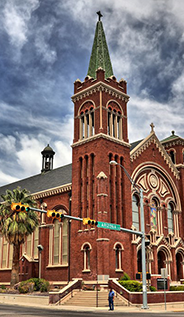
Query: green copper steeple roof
[[100, 54]]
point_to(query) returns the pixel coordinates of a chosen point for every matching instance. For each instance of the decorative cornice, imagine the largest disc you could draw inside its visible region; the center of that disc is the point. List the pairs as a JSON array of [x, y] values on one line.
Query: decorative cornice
[[97, 87], [175, 141], [100, 135], [162, 239], [52, 191], [144, 144]]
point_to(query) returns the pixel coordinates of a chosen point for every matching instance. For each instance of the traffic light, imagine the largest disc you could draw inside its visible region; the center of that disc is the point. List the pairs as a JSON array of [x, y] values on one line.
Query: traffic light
[[55, 214], [88, 221], [19, 207]]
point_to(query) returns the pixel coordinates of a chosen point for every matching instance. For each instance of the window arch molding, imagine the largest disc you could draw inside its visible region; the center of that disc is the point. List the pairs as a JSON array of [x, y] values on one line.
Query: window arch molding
[[168, 257], [118, 248], [112, 101], [166, 251], [86, 102], [172, 154], [86, 249]]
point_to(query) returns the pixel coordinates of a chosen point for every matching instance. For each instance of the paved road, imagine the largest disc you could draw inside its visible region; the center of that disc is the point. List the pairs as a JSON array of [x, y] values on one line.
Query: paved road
[[22, 311]]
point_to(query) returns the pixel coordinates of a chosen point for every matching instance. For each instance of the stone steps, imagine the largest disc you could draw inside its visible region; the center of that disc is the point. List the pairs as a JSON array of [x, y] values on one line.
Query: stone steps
[[88, 299]]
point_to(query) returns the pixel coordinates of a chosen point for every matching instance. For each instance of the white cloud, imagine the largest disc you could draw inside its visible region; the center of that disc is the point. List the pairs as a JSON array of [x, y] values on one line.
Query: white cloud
[[6, 178], [143, 111], [16, 17]]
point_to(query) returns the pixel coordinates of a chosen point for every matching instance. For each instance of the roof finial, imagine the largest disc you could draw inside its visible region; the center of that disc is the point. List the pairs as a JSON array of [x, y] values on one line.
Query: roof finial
[[99, 15], [152, 127], [172, 132]]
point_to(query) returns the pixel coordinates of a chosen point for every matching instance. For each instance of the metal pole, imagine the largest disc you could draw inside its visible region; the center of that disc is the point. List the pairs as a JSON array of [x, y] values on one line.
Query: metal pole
[[164, 293], [40, 256], [144, 289]]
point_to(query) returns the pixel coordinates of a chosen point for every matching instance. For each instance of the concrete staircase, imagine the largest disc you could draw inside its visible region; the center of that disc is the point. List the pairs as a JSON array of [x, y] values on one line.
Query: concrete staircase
[[88, 299]]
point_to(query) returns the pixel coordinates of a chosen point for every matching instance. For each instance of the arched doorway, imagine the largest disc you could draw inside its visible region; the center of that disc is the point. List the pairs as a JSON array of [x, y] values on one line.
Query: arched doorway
[[179, 266], [161, 261]]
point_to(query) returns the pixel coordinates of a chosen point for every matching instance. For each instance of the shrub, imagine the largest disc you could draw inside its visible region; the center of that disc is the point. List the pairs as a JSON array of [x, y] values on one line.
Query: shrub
[[34, 284], [3, 287], [177, 288], [125, 277], [132, 286], [26, 287], [153, 289]]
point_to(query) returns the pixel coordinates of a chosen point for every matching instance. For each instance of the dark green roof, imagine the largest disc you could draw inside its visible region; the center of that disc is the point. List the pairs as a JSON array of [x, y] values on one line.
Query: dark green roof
[[171, 137], [100, 54], [54, 178]]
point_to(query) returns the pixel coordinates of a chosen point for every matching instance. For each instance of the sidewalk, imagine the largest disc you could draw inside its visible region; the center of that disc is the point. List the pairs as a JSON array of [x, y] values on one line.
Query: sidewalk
[[43, 302]]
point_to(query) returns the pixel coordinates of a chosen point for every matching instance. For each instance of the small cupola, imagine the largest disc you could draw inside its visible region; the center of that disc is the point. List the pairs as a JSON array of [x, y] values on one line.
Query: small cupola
[[47, 159]]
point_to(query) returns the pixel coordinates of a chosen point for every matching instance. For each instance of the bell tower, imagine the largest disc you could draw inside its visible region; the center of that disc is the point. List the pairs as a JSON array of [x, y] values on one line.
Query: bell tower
[[47, 159], [99, 190]]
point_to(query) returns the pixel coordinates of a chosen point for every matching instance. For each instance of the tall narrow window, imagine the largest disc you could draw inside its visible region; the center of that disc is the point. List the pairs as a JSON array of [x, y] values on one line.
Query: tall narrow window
[[5, 253], [170, 218], [118, 257], [172, 155], [56, 241], [36, 236], [86, 123], [28, 245], [135, 211], [114, 122], [64, 242], [86, 248]]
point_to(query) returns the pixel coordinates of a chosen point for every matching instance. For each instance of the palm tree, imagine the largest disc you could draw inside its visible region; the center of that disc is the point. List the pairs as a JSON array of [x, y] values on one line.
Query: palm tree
[[16, 226]]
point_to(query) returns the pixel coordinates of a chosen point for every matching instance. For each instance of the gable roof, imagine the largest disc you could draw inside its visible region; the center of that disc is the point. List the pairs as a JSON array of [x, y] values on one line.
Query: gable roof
[[42, 182], [134, 144], [170, 138], [145, 143]]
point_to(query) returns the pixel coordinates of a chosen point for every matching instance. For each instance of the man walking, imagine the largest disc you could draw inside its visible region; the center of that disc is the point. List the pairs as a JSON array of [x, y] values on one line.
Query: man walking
[[111, 299]]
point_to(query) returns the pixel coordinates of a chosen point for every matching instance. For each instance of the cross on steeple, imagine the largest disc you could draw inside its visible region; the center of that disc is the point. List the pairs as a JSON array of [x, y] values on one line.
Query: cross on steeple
[[152, 127], [99, 15]]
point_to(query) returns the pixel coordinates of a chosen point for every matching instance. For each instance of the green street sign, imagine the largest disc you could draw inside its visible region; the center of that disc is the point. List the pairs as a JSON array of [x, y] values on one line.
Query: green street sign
[[107, 225]]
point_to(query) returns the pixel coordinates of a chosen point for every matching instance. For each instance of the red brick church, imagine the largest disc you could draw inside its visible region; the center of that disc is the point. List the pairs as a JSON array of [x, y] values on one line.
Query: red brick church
[[91, 187]]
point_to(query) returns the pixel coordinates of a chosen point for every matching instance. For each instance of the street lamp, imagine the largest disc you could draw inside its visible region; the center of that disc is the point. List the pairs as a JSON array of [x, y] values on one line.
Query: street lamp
[[139, 189]]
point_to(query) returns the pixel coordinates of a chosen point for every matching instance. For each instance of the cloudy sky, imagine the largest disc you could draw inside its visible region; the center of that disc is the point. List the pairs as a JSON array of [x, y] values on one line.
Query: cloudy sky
[[46, 46]]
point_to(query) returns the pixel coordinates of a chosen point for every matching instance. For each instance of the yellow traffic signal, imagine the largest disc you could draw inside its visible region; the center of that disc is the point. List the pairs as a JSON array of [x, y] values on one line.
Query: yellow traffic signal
[[55, 214], [88, 221], [19, 207]]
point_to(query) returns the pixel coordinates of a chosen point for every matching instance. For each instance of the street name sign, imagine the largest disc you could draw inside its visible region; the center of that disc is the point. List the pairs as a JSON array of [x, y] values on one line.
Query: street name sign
[[107, 225]]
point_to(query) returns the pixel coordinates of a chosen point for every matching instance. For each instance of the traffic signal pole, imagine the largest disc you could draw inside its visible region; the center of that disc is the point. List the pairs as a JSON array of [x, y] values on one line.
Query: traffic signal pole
[[142, 233]]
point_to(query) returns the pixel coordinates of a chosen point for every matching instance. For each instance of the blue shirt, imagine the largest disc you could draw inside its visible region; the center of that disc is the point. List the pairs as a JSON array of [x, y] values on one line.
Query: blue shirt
[[111, 295]]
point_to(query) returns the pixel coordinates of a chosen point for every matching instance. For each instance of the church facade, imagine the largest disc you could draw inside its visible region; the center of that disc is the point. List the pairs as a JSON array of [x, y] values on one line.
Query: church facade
[[92, 187]]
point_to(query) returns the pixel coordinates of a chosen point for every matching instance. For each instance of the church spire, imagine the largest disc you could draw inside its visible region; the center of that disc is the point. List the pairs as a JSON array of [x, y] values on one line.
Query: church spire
[[100, 54]]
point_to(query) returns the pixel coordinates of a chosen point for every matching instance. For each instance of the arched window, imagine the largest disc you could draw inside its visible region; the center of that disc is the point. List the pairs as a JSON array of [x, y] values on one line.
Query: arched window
[[114, 128], [118, 256], [87, 123], [170, 217], [58, 242], [86, 248], [135, 211], [172, 156]]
